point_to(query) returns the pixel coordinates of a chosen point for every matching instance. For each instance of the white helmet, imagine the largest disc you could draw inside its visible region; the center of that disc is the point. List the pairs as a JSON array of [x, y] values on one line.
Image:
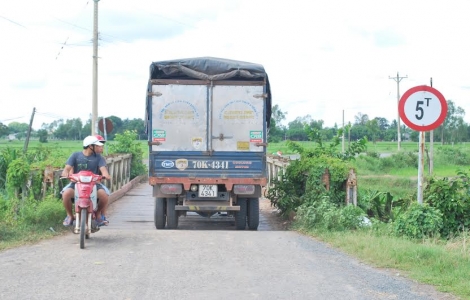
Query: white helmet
[[91, 140]]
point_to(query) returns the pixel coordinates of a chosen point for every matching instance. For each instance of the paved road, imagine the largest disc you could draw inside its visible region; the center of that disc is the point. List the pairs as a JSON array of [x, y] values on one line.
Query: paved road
[[130, 259]]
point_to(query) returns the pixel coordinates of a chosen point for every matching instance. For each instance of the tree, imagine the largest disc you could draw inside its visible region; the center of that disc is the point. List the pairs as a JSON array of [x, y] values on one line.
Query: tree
[[3, 130], [136, 125], [42, 134], [19, 128], [361, 119], [374, 129], [453, 126], [277, 114], [70, 130], [276, 130], [296, 131]]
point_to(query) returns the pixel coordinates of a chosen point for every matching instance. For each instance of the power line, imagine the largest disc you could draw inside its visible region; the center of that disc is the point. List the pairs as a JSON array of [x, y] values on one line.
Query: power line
[[16, 23], [61, 48], [11, 119]]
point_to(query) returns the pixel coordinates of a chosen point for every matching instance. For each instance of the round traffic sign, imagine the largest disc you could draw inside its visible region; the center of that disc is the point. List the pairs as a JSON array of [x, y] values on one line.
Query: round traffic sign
[[107, 124], [422, 108]]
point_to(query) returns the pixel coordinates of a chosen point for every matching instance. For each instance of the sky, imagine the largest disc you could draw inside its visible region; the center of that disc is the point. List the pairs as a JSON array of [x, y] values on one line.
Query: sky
[[325, 58]]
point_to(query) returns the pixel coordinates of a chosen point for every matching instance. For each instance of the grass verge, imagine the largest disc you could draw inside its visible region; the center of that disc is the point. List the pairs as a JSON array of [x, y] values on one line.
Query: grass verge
[[12, 237], [445, 265]]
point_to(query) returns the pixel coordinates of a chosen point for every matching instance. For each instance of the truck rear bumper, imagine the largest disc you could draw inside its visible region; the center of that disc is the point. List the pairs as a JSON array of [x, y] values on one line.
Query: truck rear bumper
[[228, 182], [206, 208]]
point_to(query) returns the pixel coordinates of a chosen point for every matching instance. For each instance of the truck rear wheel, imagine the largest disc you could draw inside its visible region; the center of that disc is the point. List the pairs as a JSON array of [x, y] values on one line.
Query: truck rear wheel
[[253, 213], [160, 213], [171, 214], [240, 216]]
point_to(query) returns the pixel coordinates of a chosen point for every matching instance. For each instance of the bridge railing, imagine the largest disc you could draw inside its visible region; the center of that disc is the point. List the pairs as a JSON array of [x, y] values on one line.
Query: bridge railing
[[276, 166]]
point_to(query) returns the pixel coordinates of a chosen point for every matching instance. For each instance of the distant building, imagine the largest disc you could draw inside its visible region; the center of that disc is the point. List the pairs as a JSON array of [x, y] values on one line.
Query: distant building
[[12, 137]]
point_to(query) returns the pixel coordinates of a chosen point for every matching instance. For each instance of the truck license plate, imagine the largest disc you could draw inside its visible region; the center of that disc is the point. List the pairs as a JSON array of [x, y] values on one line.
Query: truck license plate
[[208, 190]]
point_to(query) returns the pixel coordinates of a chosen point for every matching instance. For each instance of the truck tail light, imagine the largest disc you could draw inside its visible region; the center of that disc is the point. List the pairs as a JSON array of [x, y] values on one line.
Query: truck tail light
[[244, 189], [172, 189]]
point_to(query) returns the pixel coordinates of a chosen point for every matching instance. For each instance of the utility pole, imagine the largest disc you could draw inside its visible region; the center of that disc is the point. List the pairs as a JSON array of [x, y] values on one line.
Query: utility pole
[[94, 119], [398, 79], [26, 141]]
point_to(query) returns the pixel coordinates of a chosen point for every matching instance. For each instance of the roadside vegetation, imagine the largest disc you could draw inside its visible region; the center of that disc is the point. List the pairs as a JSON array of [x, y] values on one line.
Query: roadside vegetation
[[28, 213], [387, 228], [427, 242]]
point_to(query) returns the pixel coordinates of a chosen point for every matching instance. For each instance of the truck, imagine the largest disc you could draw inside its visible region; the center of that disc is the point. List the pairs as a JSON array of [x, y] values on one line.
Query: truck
[[207, 121]]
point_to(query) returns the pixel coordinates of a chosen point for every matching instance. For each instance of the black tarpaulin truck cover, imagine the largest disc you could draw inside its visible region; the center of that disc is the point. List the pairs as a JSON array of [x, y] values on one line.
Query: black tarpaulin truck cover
[[213, 69]]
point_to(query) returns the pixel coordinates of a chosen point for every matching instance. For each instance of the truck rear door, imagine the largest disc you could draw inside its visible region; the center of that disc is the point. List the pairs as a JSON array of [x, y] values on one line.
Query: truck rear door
[[237, 118], [182, 115]]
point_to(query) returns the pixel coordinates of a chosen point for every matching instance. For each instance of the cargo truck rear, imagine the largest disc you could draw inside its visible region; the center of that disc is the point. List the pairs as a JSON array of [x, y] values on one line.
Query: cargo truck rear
[[207, 122]]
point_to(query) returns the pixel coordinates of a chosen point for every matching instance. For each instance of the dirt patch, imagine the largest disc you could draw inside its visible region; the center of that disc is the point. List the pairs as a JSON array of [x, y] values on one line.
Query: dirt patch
[[271, 213]]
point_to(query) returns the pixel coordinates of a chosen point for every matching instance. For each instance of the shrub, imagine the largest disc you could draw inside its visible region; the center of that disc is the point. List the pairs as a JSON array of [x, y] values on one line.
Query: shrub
[[127, 142], [450, 197], [47, 212], [419, 221], [399, 160], [453, 156], [322, 213]]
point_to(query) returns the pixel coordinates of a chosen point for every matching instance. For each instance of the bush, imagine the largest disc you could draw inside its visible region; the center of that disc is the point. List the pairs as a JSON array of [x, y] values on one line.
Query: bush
[[452, 156], [127, 142], [324, 215], [419, 221], [451, 197], [399, 160], [46, 213]]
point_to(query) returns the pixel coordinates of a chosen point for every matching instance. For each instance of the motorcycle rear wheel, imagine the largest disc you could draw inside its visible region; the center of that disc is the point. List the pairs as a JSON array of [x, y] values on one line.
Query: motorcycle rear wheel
[[83, 215]]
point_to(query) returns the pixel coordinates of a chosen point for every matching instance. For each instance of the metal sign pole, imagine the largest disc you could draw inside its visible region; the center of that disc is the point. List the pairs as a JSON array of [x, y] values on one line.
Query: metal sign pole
[[421, 166]]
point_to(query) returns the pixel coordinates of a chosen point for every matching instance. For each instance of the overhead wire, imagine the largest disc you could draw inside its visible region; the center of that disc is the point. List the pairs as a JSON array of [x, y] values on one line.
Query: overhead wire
[[65, 43], [16, 23]]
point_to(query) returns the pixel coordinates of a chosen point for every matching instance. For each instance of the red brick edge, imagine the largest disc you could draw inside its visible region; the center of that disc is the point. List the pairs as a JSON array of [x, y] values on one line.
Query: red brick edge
[[126, 188]]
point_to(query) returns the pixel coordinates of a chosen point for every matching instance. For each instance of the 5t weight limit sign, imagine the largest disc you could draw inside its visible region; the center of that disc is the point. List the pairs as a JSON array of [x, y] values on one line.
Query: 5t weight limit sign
[[422, 108]]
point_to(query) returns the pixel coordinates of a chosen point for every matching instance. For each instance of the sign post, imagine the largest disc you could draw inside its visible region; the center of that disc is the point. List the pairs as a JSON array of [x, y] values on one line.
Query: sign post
[[422, 108]]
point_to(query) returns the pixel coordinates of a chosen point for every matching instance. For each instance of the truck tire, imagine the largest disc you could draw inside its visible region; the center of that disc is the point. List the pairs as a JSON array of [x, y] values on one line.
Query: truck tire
[[171, 214], [253, 213], [240, 216], [159, 216]]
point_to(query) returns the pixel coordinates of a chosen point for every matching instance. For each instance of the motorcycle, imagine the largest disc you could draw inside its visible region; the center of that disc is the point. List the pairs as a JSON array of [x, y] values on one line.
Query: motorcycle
[[86, 204]]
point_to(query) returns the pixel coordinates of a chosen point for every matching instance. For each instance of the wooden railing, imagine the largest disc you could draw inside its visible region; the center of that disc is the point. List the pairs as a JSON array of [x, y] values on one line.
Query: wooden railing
[[276, 166]]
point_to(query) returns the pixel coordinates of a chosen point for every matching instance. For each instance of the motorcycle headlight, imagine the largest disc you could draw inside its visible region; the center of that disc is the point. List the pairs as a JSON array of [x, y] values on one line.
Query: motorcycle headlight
[[86, 178]]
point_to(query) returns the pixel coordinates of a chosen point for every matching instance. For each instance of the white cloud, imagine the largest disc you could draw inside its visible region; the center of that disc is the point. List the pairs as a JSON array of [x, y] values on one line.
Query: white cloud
[[322, 57]]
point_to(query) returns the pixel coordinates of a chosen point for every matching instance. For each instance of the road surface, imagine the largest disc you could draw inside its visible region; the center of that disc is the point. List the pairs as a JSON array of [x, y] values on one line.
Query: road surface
[[204, 259]]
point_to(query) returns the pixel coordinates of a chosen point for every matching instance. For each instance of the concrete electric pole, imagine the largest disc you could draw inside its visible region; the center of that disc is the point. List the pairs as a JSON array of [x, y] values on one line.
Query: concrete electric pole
[[94, 119], [398, 79]]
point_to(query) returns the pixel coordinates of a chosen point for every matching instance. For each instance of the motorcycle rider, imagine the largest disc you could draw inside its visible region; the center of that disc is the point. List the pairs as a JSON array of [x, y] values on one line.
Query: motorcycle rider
[[88, 159]]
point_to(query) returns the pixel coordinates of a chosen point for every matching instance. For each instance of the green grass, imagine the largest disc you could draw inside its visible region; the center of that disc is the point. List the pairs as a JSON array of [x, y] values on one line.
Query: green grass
[[11, 237]]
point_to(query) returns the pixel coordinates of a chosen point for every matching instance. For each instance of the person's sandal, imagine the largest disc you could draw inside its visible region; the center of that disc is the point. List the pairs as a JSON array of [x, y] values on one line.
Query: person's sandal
[[103, 222], [68, 221]]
